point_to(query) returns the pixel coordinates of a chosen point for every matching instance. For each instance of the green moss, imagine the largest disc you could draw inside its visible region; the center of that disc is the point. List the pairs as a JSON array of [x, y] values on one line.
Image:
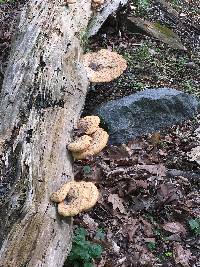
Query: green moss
[[164, 30]]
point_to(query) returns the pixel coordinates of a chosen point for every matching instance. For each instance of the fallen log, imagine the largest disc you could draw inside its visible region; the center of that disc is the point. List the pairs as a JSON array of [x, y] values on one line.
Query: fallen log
[[41, 100]]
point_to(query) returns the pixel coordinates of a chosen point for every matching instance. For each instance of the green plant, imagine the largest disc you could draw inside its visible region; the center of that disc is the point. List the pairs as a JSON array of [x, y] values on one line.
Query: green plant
[[83, 36], [168, 254], [138, 85], [143, 52], [83, 251], [87, 169], [151, 246], [195, 225], [181, 63], [188, 86], [142, 4], [100, 235]]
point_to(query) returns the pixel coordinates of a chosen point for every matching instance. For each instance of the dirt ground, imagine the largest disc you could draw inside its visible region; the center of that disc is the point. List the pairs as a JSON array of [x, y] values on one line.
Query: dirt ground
[[149, 206]]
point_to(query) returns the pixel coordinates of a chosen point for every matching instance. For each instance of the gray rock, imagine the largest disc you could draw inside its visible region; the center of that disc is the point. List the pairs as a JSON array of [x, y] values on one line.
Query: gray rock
[[146, 112]]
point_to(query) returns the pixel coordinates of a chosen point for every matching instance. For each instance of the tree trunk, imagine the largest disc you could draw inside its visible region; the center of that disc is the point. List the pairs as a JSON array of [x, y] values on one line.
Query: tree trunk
[[42, 96], [41, 100]]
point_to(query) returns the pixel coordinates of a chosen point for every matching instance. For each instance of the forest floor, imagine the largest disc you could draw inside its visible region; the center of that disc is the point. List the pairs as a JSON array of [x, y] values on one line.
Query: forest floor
[[149, 207], [148, 213]]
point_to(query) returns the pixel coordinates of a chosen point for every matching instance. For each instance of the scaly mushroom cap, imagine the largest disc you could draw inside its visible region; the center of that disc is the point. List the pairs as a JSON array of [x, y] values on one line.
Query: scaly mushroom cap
[[80, 143], [104, 65], [89, 124], [61, 194], [99, 141], [70, 1], [97, 3], [84, 196]]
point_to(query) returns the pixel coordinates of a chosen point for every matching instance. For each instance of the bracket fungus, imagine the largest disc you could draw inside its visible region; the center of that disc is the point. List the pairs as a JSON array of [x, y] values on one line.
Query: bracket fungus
[[104, 65], [82, 195], [89, 124], [70, 1], [97, 3], [99, 141], [80, 143], [92, 142]]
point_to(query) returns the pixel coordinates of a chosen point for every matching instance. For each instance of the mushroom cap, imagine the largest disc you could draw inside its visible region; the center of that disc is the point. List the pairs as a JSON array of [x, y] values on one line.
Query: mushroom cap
[[99, 2], [61, 194], [80, 143], [99, 141], [71, 1], [89, 124], [83, 195], [104, 65]]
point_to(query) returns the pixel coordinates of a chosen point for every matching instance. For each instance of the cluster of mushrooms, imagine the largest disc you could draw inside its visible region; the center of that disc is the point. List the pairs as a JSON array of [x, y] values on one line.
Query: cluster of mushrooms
[[101, 66], [84, 196], [93, 140]]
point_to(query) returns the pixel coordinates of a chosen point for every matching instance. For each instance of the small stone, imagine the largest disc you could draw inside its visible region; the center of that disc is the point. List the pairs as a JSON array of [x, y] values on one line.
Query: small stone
[[191, 65]]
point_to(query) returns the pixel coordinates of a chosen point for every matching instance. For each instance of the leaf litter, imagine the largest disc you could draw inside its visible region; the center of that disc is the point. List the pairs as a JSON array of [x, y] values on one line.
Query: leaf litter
[[147, 205]]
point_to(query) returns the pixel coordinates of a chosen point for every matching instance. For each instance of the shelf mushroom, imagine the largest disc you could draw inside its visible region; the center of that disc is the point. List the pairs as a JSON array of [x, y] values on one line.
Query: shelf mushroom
[[97, 3], [104, 65], [89, 124], [93, 140], [80, 143], [82, 195], [99, 141]]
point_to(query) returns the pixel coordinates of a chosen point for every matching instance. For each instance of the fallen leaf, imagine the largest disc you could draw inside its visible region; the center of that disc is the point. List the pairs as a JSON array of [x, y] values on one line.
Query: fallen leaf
[[117, 202], [157, 30], [158, 169], [140, 203], [194, 154], [132, 228], [150, 239], [168, 193], [175, 228], [91, 224], [155, 138], [146, 257], [181, 255], [141, 184], [135, 184], [115, 247], [147, 228], [174, 237], [118, 153]]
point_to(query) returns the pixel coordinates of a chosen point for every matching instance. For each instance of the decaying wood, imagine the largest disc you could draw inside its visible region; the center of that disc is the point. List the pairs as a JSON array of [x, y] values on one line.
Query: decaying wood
[[41, 99], [109, 7]]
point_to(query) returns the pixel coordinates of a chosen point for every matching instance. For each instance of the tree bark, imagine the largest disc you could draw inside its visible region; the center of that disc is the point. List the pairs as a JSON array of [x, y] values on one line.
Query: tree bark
[[42, 96]]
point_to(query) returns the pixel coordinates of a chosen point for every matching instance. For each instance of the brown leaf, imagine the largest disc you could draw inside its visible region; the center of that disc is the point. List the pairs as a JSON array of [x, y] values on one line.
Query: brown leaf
[[132, 228], [158, 169], [175, 228], [118, 152], [181, 255], [147, 228], [141, 184], [91, 224], [146, 257], [135, 184], [150, 239], [155, 138], [117, 202], [167, 193]]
